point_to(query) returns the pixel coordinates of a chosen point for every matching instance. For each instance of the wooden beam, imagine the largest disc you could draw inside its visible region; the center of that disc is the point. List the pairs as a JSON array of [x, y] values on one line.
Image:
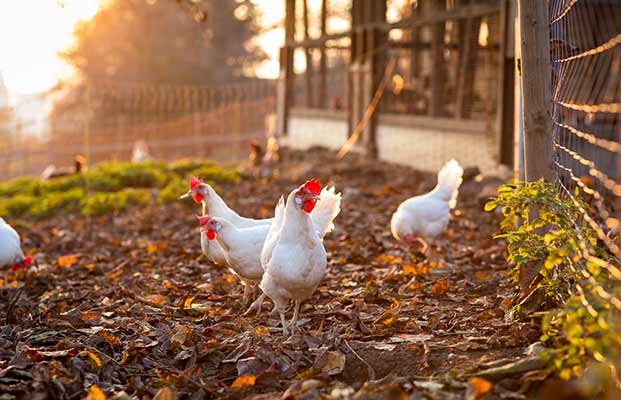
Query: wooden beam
[[323, 63], [536, 89], [438, 76], [473, 10]]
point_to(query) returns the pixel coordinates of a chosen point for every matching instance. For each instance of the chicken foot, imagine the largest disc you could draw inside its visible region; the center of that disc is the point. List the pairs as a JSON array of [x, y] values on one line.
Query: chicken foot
[[256, 305]]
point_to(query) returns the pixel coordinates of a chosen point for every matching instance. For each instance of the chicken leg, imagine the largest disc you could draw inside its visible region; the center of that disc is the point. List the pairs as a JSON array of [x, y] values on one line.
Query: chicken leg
[[247, 294], [296, 314], [256, 305]]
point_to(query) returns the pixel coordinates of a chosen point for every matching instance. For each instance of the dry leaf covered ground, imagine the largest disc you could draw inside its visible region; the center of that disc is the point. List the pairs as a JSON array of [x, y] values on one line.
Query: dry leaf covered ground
[[127, 304]]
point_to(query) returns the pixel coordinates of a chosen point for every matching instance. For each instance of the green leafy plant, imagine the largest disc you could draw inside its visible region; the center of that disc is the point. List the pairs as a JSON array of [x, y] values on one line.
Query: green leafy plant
[[544, 228]]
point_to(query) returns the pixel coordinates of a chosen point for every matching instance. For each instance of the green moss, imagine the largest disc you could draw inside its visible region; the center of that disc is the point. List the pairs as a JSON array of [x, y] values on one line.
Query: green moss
[[184, 167]]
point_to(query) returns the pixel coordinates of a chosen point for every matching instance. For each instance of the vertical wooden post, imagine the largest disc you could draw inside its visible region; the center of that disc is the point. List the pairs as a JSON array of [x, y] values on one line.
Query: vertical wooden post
[[438, 100], [323, 65], [308, 55], [536, 88], [285, 94], [375, 64], [505, 108]]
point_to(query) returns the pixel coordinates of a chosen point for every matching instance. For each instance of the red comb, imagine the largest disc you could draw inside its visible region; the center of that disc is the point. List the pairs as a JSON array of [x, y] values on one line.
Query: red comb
[[313, 186], [203, 220], [194, 182], [27, 261]]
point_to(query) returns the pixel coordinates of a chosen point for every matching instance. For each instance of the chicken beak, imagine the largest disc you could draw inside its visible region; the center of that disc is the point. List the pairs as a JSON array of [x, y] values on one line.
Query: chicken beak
[[185, 196]]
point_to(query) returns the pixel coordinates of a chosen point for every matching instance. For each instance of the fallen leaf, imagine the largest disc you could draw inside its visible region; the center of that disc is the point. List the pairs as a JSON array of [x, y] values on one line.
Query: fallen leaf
[[95, 393], [68, 260], [156, 299], [110, 338], [331, 362], [388, 259], [480, 386], [261, 331], [440, 287], [244, 381], [188, 302], [166, 393], [95, 360]]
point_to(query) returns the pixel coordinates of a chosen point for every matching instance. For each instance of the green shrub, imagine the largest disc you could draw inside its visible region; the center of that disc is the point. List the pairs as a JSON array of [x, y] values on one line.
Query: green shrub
[[112, 186], [24, 185], [175, 188], [106, 203], [579, 278], [129, 175], [213, 173], [53, 203], [20, 205], [184, 167]]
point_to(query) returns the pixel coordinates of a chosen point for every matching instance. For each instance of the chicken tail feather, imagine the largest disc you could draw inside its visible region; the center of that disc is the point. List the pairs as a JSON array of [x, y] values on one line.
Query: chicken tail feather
[[328, 207], [449, 180]]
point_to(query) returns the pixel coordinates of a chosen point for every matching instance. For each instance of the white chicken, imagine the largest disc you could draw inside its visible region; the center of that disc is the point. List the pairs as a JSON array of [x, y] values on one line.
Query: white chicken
[[11, 254], [322, 216], [241, 249], [422, 218], [293, 257]]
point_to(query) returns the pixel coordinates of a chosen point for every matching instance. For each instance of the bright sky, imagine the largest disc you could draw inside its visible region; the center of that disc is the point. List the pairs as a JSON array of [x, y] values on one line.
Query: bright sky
[[31, 34]]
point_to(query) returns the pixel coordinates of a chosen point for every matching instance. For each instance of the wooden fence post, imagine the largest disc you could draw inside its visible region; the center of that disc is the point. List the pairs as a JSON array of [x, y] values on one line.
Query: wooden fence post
[[285, 88], [536, 89]]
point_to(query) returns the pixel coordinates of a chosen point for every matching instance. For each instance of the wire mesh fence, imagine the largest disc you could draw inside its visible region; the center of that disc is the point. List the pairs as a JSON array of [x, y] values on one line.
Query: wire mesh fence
[[586, 77], [108, 119], [585, 38]]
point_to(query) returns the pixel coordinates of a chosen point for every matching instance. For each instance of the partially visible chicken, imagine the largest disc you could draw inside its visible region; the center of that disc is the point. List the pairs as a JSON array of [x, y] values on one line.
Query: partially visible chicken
[[140, 152], [294, 258], [241, 248], [11, 254], [52, 171], [422, 218], [272, 151], [256, 153], [322, 216]]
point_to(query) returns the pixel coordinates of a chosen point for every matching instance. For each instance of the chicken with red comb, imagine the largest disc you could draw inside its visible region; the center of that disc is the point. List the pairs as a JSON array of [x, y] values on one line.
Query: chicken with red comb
[[11, 254], [293, 258]]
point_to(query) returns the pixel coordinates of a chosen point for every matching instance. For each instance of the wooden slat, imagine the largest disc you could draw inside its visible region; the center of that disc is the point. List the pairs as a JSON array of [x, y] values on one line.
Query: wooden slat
[[438, 75], [308, 53], [323, 66]]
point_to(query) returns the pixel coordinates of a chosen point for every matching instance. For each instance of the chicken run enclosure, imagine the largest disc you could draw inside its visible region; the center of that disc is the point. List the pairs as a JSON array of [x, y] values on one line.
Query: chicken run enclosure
[[517, 296]]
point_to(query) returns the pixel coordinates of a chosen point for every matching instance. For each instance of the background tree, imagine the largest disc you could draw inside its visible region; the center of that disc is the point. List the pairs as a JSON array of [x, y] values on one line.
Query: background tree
[[158, 42]]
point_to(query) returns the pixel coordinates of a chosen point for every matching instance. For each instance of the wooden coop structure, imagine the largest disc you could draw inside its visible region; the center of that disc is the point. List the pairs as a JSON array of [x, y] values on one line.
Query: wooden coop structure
[[415, 81]]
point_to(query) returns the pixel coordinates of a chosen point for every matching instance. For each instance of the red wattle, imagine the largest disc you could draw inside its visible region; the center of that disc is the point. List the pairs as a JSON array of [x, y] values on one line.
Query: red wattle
[[309, 205], [198, 198], [211, 235]]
